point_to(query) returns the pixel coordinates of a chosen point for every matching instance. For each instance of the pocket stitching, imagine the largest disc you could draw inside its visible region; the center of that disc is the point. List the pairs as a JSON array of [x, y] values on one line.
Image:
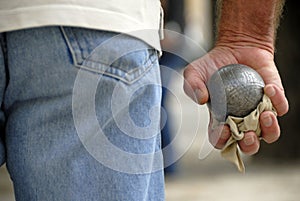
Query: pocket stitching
[[70, 47], [144, 70], [88, 64]]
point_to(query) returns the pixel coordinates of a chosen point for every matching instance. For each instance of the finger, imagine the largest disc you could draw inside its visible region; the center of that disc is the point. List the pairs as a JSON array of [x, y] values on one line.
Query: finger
[[194, 86], [278, 98], [269, 127], [218, 135], [250, 143]]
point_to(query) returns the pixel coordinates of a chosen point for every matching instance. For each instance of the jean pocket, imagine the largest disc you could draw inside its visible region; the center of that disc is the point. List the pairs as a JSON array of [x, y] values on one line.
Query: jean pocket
[[116, 55]]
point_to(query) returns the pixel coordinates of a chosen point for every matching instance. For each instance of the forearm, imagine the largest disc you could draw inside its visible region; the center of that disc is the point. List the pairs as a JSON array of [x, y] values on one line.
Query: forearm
[[250, 22]]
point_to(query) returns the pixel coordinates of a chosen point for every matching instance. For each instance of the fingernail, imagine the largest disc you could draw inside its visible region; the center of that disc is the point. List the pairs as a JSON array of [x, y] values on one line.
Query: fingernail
[[249, 140], [267, 121], [270, 91]]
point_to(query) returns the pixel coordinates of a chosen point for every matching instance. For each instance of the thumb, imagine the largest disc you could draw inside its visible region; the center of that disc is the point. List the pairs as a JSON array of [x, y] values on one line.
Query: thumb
[[194, 85]]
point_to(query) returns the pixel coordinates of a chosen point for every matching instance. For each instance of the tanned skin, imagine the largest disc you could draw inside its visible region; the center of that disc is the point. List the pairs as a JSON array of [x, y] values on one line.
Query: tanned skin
[[246, 33]]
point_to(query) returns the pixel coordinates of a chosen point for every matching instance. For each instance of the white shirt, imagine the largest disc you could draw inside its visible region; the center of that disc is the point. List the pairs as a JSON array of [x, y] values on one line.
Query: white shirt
[[139, 18]]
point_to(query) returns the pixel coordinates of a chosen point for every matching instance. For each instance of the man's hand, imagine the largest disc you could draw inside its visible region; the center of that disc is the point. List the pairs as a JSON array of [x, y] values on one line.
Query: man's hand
[[198, 73], [246, 32]]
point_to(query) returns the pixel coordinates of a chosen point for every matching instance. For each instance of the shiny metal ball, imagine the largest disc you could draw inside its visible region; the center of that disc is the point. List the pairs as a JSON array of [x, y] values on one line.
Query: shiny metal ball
[[234, 90]]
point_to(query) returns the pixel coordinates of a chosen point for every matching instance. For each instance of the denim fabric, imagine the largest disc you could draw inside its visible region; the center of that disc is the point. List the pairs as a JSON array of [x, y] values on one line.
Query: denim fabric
[[81, 112]]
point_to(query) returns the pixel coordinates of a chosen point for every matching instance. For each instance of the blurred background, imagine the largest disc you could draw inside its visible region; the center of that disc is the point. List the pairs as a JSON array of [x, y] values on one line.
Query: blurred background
[[199, 172]]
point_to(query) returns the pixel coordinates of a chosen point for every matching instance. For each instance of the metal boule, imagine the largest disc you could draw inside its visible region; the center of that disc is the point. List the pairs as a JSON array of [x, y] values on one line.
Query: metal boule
[[234, 90]]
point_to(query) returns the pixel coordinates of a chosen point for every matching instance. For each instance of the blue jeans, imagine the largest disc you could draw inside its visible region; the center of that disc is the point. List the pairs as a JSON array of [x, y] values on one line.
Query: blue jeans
[[80, 115]]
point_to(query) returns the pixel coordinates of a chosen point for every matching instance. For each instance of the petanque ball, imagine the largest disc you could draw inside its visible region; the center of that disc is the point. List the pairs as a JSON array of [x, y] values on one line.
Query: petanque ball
[[234, 90]]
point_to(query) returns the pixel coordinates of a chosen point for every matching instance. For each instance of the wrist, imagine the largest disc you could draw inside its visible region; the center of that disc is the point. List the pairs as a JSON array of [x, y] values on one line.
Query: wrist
[[237, 40], [248, 23]]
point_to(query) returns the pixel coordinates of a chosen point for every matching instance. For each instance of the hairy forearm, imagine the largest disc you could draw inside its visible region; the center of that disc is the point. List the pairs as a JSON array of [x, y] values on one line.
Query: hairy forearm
[[251, 22]]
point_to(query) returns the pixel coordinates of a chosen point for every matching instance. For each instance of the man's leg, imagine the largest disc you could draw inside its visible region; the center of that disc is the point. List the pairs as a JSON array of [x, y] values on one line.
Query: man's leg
[[55, 150]]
